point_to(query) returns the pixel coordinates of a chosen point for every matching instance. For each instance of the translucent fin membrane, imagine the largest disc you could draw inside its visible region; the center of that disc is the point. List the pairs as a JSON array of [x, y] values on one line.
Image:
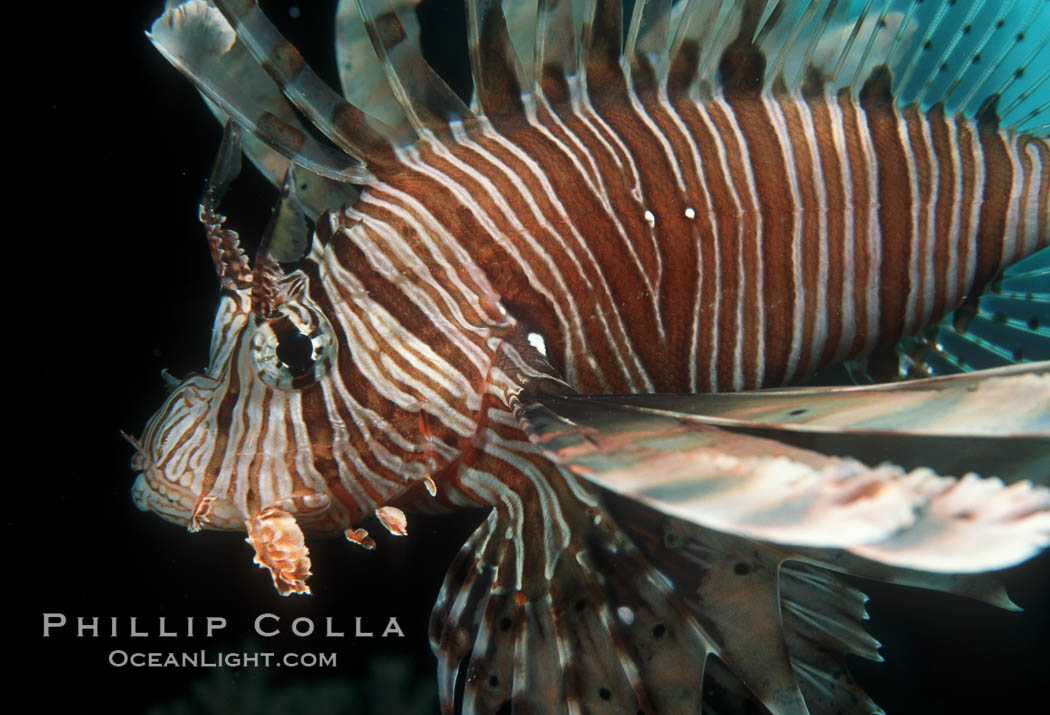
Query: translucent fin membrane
[[201, 43], [956, 53], [426, 100], [961, 54], [498, 78], [1008, 324], [343, 123], [361, 75], [675, 461]]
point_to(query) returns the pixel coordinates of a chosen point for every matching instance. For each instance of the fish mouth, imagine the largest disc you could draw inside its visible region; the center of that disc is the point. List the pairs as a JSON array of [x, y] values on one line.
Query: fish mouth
[[178, 505], [170, 502]]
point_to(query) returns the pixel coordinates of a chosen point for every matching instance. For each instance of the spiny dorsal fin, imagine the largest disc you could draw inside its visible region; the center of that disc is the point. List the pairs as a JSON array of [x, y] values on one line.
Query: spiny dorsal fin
[[314, 192], [877, 92], [555, 57], [498, 77], [649, 29], [602, 46], [742, 66], [646, 47], [361, 75], [681, 74], [339, 120], [694, 27], [426, 100], [201, 43]]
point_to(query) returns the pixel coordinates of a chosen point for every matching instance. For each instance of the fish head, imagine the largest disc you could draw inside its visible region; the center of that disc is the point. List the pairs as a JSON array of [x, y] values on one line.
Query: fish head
[[232, 441]]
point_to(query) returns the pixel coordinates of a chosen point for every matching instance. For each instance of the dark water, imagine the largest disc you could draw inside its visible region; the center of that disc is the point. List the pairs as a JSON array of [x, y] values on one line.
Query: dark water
[[122, 286]]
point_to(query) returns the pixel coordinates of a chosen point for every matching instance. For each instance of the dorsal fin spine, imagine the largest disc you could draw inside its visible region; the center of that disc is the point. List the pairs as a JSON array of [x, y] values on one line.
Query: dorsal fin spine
[[602, 46], [648, 31], [687, 48], [858, 75], [498, 77], [718, 40], [854, 33], [428, 103], [807, 57], [555, 56], [198, 40], [898, 38], [776, 67], [340, 121]]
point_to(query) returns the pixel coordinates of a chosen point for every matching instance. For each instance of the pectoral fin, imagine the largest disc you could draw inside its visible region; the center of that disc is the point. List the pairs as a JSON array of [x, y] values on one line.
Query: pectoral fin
[[699, 459]]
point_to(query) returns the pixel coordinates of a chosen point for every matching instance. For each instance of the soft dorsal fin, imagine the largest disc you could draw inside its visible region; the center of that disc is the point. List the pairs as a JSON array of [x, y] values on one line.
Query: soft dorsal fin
[[958, 54]]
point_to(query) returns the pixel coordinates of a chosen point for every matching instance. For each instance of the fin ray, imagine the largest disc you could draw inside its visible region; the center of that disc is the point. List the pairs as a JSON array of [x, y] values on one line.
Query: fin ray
[[199, 41], [765, 489], [340, 121], [361, 75], [427, 101]]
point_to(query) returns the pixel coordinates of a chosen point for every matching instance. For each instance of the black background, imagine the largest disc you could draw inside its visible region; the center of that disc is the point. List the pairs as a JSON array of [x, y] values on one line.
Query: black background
[[112, 282]]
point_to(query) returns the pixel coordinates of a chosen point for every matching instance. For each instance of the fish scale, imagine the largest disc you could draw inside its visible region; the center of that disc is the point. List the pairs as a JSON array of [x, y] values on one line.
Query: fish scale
[[732, 199]]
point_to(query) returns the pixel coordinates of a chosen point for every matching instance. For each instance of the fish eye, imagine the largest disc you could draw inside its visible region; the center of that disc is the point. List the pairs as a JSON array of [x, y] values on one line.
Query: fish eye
[[293, 348]]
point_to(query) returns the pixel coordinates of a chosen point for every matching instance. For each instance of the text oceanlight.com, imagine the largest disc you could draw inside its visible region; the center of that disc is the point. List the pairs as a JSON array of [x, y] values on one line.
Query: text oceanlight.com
[[206, 659]]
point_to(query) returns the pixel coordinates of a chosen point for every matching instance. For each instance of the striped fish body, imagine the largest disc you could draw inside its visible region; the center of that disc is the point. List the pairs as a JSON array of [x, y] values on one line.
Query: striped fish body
[[761, 238], [633, 224]]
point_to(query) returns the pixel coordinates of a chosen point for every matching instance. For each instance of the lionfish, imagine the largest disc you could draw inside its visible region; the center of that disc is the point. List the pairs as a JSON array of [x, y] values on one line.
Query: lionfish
[[578, 299]]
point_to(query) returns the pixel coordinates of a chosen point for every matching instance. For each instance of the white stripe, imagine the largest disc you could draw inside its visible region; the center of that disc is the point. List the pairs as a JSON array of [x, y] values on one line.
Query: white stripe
[[580, 241], [563, 295], [820, 324], [929, 237], [727, 176], [974, 206], [448, 319], [873, 238], [954, 239], [713, 271], [1012, 237], [398, 341], [759, 309], [1032, 208], [583, 110], [911, 305], [848, 238]]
